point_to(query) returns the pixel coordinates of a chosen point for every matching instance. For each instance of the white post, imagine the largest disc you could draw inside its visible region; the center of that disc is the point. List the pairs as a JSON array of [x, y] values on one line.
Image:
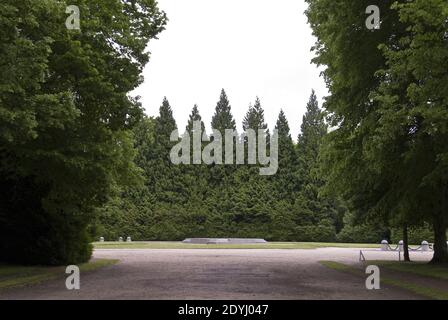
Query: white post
[[361, 256]]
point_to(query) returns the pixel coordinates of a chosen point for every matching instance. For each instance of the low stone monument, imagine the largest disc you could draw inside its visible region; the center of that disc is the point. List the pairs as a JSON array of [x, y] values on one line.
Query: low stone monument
[[425, 246], [101, 239], [384, 245], [128, 239], [401, 245], [224, 241], [120, 239]]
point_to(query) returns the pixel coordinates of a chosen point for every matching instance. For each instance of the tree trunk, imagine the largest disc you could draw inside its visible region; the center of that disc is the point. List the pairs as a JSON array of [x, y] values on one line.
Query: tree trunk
[[406, 244], [440, 246]]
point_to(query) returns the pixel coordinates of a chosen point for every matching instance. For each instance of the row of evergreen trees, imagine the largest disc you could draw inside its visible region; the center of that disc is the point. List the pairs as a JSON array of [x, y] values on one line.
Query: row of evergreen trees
[[179, 201]]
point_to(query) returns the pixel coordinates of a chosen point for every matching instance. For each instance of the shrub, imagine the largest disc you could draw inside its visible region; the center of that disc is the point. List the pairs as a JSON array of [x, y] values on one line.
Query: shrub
[[415, 234]]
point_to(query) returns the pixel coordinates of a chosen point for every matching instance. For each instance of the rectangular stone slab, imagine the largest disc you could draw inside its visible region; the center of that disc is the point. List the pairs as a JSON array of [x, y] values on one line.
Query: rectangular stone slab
[[224, 241]]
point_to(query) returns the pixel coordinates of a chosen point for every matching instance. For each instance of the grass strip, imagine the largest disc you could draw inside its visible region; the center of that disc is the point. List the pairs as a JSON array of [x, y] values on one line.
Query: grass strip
[[269, 245], [418, 268], [426, 292], [18, 276]]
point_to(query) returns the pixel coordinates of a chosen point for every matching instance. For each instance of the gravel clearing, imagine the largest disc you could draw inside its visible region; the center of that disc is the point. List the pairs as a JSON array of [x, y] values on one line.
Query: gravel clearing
[[221, 274]]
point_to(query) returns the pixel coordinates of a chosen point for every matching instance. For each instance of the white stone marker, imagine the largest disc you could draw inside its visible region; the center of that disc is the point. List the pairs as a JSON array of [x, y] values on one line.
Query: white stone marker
[[384, 245], [120, 239], [128, 239], [401, 245], [101, 239], [425, 245]]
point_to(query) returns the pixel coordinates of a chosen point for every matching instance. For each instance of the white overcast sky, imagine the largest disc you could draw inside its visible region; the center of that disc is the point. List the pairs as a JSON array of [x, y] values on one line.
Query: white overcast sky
[[248, 47]]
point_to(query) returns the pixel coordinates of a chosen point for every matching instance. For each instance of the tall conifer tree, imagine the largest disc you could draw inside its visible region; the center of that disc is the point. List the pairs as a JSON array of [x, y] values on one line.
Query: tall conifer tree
[[223, 118], [194, 116], [312, 209]]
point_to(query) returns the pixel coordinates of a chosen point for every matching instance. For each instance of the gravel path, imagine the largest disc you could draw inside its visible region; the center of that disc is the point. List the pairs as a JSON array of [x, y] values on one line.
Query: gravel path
[[219, 274]]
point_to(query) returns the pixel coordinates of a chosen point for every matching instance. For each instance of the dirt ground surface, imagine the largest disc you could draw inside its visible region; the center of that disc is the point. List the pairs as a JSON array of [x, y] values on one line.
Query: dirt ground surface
[[221, 274]]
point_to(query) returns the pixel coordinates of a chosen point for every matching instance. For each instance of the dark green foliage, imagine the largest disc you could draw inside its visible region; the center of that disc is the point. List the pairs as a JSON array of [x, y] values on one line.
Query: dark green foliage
[[33, 235], [254, 118], [388, 103], [324, 231], [416, 234], [311, 206], [356, 232], [223, 118], [225, 201], [313, 129], [219, 175], [194, 116], [285, 183], [65, 116]]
